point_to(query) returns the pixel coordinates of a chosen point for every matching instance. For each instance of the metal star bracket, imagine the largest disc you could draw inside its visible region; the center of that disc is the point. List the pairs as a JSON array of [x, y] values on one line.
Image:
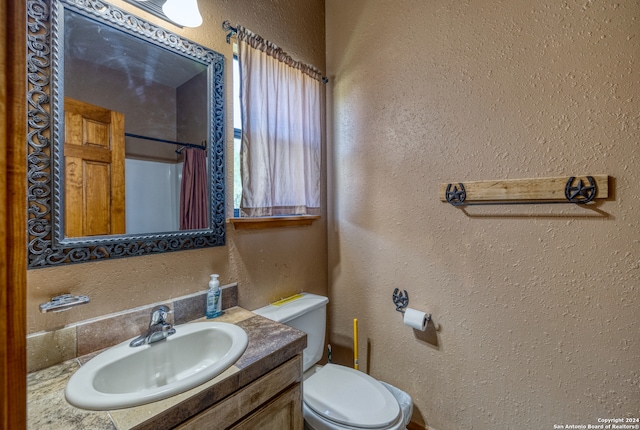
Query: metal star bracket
[[457, 196], [580, 193], [401, 301]]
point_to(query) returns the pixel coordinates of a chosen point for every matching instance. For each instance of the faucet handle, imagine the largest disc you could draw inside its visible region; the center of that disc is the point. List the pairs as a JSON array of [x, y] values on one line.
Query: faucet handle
[[159, 314]]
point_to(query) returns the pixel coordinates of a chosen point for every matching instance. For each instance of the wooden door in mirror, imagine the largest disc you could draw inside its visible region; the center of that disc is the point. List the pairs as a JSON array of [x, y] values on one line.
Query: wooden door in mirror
[[94, 170]]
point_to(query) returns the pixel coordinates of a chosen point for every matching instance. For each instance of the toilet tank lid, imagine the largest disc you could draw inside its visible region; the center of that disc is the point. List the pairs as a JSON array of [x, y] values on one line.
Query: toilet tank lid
[[292, 307]]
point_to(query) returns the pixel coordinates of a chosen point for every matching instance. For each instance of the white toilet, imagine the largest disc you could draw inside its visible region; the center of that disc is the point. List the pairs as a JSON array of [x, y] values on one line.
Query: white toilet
[[335, 397]]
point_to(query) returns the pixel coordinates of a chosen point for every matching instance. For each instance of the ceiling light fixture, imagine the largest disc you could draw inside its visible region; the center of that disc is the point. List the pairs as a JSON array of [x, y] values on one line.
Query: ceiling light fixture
[[183, 12]]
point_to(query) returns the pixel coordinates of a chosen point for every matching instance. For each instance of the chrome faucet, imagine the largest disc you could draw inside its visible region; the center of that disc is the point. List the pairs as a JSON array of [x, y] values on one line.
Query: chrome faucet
[[159, 328]]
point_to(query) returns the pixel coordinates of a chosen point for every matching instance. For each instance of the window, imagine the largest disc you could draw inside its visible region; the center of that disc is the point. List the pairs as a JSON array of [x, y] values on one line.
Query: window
[[277, 154], [237, 138]]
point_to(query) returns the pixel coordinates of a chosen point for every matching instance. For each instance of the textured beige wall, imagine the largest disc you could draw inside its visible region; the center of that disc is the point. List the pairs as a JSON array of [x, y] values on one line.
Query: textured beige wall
[[538, 305], [267, 264], [152, 115]]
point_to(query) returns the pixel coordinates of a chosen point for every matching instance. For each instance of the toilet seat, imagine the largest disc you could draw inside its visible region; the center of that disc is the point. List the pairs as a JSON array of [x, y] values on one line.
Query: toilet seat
[[350, 398], [313, 421]]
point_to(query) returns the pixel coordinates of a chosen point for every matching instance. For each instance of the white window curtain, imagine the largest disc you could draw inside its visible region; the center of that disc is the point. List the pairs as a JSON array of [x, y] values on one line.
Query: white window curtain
[[281, 130]]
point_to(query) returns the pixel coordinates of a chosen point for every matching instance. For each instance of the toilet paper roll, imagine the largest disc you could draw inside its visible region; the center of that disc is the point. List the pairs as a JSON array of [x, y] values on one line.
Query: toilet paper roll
[[415, 319]]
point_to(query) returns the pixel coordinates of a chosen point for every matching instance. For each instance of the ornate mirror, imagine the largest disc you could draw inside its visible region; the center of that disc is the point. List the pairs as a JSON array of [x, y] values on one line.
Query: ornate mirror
[[126, 120]]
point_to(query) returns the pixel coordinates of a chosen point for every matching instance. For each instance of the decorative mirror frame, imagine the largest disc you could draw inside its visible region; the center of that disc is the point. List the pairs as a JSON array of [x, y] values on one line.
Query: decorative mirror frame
[[45, 47]]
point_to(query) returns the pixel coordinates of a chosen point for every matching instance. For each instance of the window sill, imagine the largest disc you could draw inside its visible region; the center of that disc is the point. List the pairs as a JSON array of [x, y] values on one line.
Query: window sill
[[256, 223]]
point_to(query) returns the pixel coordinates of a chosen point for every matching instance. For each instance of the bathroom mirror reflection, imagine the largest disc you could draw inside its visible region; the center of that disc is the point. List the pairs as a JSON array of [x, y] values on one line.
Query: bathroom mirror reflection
[[130, 105], [150, 92]]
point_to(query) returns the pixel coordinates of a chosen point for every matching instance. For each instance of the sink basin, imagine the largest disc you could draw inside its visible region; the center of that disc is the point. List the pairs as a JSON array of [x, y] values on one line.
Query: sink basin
[[123, 376]]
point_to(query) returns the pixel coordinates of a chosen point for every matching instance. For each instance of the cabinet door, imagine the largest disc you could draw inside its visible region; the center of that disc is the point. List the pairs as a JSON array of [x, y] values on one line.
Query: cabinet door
[[255, 399], [282, 413]]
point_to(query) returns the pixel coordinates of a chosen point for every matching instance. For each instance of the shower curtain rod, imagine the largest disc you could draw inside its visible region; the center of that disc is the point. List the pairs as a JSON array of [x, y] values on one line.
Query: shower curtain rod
[[184, 145], [232, 31]]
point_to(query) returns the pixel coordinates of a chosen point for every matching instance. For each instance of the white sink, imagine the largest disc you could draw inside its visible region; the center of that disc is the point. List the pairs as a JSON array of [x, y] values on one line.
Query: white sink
[[125, 376]]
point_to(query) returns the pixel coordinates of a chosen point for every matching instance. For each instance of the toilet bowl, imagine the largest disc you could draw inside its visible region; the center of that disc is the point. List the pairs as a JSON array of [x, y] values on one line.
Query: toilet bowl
[[335, 397], [338, 397]]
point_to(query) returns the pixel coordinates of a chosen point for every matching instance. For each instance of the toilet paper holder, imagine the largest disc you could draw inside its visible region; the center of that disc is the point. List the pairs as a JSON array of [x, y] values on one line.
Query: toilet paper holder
[[401, 300]]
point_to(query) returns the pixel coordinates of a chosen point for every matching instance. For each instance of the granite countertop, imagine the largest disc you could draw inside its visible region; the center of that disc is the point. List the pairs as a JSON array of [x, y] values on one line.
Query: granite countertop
[[270, 345]]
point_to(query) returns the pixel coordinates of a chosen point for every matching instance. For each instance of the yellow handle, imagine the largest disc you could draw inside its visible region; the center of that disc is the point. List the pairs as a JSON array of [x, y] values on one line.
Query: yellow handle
[[355, 343]]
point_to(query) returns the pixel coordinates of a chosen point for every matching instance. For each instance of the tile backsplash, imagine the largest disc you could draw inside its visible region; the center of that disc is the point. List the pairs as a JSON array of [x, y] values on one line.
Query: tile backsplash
[[47, 348]]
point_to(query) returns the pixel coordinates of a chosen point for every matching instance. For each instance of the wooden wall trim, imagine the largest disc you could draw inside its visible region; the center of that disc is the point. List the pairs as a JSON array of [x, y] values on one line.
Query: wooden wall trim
[[13, 205]]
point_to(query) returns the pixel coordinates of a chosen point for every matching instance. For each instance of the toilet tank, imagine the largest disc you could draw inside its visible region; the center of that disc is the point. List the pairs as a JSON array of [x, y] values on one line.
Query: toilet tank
[[305, 312]]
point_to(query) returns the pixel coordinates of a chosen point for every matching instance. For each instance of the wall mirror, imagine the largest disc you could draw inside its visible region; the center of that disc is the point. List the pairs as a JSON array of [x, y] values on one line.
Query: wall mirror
[[115, 103]]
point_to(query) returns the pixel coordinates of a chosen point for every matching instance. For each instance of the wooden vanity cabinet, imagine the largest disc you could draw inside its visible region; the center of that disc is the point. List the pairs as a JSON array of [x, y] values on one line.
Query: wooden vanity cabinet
[[272, 402], [283, 412]]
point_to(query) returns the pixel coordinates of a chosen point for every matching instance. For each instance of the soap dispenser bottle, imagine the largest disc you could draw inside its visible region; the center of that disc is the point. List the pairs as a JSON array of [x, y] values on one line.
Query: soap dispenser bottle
[[214, 302]]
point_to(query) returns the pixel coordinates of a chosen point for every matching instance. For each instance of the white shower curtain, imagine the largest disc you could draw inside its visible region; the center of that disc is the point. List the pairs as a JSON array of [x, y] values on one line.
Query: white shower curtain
[[281, 130]]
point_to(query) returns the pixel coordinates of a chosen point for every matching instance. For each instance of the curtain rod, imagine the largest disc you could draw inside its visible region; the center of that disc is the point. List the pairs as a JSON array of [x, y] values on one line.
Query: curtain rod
[[184, 145], [233, 31]]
